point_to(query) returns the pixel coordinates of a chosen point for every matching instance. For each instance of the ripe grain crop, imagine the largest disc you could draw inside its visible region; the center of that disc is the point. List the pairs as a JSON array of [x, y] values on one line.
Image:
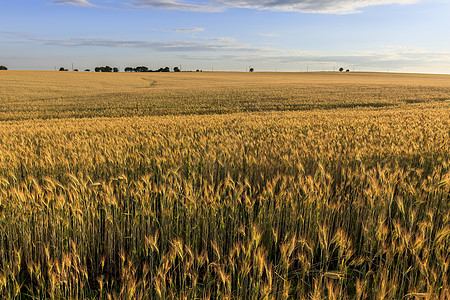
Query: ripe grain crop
[[337, 198], [46, 95]]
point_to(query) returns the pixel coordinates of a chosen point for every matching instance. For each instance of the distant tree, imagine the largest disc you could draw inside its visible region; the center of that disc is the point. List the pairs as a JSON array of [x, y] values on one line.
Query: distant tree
[[3, 68], [115, 69], [166, 69], [76, 70], [341, 69], [129, 69], [104, 69], [141, 69], [197, 70], [176, 69], [347, 70], [63, 69], [251, 70], [87, 70]]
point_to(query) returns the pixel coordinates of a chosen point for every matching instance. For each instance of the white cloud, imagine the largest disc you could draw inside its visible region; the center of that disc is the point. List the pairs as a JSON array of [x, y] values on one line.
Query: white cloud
[[191, 29], [226, 39], [306, 6], [385, 58], [180, 30], [174, 46], [175, 5], [227, 50], [74, 2], [269, 34], [388, 57], [311, 6]]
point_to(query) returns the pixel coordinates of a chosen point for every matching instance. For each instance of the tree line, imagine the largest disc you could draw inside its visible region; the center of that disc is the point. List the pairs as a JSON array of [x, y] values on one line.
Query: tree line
[[3, 68], [109, 69], [146, 69]]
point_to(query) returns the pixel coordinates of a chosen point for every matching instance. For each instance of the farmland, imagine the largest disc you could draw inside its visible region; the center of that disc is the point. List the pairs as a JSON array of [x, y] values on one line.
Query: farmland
[[224, 185]]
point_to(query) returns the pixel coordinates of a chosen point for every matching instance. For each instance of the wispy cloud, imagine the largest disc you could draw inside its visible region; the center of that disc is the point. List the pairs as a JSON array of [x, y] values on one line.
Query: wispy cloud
[[305, 6], [190, 29], [228, 50], [386, 57], [311, 6], [157, 45], [392, 58], [269, 34], [226, 39], [74, 3], [175, 5], [16, 34], [180, 30]]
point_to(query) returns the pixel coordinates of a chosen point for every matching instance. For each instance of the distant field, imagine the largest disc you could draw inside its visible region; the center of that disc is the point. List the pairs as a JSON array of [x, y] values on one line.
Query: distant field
[[224, 186], [29, 95]]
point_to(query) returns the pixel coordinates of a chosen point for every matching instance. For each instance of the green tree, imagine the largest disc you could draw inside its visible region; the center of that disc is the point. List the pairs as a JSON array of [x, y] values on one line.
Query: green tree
[[3, 68], [141, 69], [104, 69]]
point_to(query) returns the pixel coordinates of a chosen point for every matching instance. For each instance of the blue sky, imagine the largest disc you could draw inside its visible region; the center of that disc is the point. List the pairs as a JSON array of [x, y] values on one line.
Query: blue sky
[[268, 35]]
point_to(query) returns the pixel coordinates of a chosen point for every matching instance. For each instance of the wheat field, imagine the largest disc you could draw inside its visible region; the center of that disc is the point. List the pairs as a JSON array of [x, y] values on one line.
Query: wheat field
[[224, 186]]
